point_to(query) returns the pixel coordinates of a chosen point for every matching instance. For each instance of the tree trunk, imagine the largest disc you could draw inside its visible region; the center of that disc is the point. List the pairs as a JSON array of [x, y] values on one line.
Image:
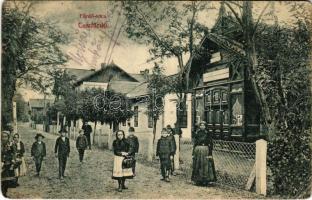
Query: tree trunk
[[253, 65], [94, 131], [154, 131]]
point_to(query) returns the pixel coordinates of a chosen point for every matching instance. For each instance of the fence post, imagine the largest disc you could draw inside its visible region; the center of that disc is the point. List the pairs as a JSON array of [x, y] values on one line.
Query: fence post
[[177, 154], [261, 153]]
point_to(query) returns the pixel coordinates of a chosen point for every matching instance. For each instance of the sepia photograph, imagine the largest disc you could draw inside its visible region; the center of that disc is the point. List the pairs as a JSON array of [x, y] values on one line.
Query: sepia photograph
[[156, 99]]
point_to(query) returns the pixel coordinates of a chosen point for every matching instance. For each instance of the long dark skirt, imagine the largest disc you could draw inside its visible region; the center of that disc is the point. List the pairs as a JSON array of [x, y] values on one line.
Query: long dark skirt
[[203, 167]]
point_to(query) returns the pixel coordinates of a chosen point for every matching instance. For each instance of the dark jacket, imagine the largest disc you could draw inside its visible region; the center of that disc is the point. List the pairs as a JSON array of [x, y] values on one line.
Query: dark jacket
[[165, 146], [36, 151], [81, 142], [8, 158], [173, 142], [21, 151], [87, 129], [203, 138], [120, 146], [133, 144], [62, 147]]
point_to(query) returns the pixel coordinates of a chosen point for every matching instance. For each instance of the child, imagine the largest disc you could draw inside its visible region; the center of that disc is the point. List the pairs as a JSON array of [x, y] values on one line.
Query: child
[[134, 146], [61, 151], [38, 151], [165, 151], [81, 144]]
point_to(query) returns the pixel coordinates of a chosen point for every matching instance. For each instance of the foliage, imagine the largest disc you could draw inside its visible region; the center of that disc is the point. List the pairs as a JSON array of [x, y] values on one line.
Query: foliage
[[284, 75], [171, 29], [21, 108], [278, 68], [157, 89], [29, 47]]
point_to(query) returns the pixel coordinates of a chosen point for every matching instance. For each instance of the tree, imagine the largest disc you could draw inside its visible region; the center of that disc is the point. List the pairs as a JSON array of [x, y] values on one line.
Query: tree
[[276, 57], [157, 89], [21, 108], [171, 29], [29, 47]]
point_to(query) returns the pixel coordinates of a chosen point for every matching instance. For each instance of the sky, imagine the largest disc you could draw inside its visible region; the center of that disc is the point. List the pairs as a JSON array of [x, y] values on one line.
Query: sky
[[127, 54]]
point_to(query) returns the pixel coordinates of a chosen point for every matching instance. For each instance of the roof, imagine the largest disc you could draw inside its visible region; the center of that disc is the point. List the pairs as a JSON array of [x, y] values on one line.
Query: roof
[[39, 103], [140, 90], [138, 77], [79, 73], [122, 86], [107, 67]]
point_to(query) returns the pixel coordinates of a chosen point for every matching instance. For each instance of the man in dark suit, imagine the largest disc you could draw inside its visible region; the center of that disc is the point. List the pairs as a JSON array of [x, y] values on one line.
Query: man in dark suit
[[87, 132], [62, 149]]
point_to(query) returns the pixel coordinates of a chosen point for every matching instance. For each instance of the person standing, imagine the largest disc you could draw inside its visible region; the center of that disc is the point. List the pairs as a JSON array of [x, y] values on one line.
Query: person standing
[[134, 146], [173, 145], [38, 152], [19, 155], [87, 132], [121, 151], [81, 145], [203, 165], [7, 163], [62, 150], [165, 152]]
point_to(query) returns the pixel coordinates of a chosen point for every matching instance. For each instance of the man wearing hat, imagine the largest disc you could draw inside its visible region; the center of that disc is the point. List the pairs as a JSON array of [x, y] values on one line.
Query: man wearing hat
[[62, 149], [38, 151]]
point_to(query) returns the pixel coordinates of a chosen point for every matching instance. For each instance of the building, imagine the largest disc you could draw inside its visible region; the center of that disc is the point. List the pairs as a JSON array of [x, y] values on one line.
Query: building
[[223, 96], [36, 109], [134, 86]]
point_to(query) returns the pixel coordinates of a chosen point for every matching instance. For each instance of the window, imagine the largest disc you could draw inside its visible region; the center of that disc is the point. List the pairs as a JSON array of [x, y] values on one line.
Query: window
[[136, 116], [150, 121], [183, 116]]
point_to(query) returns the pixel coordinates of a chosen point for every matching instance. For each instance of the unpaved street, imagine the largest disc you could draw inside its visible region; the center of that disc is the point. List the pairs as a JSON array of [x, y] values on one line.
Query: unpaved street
[[92, 179]]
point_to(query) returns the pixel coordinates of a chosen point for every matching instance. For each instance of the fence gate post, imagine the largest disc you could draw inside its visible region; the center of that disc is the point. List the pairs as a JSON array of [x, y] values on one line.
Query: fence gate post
[[177, 154], [261, 153]]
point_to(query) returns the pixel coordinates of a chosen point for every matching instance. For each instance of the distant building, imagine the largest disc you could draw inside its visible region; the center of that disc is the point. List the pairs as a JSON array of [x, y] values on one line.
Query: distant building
[[36, 108], [134, 86]]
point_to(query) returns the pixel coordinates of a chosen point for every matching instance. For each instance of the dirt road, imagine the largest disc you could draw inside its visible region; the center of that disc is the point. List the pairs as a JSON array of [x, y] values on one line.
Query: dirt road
[[92, 179]]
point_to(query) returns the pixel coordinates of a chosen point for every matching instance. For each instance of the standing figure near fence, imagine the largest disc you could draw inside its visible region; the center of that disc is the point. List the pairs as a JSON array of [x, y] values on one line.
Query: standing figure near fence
[[165, 151], [38, 152], [173, 145], [134, 146], [81, 145], [61, 150], [19, 155], [87, 132], [122, 168], [203, 165]]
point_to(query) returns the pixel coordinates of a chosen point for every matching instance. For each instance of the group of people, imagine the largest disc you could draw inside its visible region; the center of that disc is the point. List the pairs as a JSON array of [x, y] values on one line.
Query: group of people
[[124, 148], [124, 155], [12, 160]]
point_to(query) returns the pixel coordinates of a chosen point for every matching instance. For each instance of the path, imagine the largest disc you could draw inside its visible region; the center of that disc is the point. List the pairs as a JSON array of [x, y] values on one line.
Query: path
[[92, 179]]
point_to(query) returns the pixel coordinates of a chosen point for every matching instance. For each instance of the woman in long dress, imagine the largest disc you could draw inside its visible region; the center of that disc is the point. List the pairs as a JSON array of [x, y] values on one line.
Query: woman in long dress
[[121, 151], [203, 165]]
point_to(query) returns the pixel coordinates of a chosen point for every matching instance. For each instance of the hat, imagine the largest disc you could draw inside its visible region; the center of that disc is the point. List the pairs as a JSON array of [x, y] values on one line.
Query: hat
[[39, 135], [6, 132], [63, 130], [202, 122]]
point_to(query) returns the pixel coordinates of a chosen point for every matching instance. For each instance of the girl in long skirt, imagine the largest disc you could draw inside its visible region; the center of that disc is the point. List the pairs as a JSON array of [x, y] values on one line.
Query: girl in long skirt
[[19, 148], [203, 165], [121, 150]]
